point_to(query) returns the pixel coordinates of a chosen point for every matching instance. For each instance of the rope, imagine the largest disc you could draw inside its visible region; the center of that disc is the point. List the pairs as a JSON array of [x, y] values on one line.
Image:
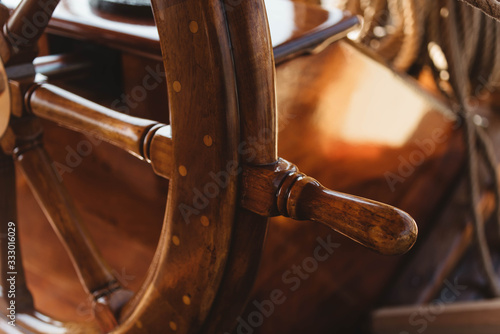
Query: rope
[[489, 7], [470, 42], [453, 39], [413, 34]]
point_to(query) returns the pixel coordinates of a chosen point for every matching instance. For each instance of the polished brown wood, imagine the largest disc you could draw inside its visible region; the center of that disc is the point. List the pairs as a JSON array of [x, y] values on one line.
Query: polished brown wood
[[202, 271], [296, 28], [330, 114], [142, 138], [71, 111], [191, 257], [5, 48], [378, 226], [94, 273], [27, 23], [283, 190], [382, 228], [159, 151], [5, 100], [255, 81], [124, 216]]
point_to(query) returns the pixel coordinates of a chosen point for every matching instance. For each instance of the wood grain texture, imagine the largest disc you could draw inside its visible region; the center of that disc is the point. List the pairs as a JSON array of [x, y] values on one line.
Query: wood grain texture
[[94, 273], [37, 167], [191, 257], [286, 191], [71, 111], [5, 48], [216, 276], [26, 25], [319, 126], [375, 225], [255, 80], [123, 215], [5, 100], [289, 241], [145, 139]]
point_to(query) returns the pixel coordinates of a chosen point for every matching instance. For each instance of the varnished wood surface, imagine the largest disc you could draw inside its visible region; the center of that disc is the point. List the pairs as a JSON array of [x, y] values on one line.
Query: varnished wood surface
[[310, 124], [45, 183], [4, 100], [27, 23], [255, 77], [71, 111], [380, 227], [280, 189], [318, 128], [191, 257], [125, 225], [295, 27], [95, 275], [332, 298]]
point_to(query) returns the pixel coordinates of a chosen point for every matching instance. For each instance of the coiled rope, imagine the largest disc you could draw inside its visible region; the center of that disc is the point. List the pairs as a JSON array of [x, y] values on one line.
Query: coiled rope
[[470, 43], [489, 7]]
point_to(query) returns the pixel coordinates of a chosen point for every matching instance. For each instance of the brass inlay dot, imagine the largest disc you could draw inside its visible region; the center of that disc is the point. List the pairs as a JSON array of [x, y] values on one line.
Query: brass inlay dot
[[176, 240], [182, 170], [204, 221], [177, 86], [173, 325], [444, 12], [193, 27], [208, 140], [186, 300]]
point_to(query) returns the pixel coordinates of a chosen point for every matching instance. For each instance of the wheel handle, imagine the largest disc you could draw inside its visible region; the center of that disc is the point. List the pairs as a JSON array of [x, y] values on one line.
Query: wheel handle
[[281, 189]]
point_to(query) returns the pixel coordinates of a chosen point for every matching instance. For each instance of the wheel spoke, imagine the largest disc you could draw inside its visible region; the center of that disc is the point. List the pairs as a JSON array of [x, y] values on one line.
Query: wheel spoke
[[142, 138], [74, 112], [94, 273], [27, 23], [12, 271]]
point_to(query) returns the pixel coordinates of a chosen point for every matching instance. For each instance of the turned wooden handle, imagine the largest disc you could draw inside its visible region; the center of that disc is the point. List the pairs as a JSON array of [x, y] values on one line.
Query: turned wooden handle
[[74, 112], [378, 226], [28, 22], [281, 189]]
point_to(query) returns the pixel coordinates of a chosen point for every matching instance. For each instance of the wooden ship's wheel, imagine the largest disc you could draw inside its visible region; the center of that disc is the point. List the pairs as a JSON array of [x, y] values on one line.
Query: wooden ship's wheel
[[219, 153]]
